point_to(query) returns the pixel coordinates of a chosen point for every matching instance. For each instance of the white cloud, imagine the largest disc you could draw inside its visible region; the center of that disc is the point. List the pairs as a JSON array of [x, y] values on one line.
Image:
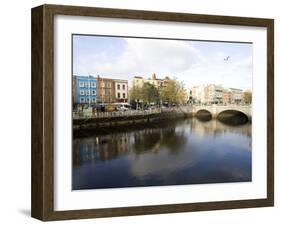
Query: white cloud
[[172, 58], [236, 72], [146, 56]]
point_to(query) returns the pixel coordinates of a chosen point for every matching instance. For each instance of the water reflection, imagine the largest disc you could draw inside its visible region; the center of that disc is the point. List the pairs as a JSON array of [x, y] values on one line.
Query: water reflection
[[185, 152]]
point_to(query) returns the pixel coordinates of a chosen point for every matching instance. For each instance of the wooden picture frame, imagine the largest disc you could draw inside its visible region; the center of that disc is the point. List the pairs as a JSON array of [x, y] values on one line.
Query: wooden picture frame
[[43, 112]]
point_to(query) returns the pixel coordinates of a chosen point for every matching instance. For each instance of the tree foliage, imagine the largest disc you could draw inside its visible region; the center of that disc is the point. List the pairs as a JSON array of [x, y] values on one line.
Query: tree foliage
[[174, 92], [149, 93], [247, 97], [135, 93]]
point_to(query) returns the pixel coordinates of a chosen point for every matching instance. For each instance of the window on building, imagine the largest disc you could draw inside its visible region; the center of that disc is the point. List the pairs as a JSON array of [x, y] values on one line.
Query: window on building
[[118, 95], [124, 95], [94, 92], [88, 92], [123, 87], [109, 92], [81, 84], [102, 84], [87, 84], [118, 86], [88, 99], [82, 100], [109, 84], [94, 84], [94, 100], [82, 92], [103, 92]]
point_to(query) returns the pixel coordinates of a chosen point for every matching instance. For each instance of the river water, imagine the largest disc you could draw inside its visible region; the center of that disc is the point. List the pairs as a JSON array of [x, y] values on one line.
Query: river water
[[188, 151]]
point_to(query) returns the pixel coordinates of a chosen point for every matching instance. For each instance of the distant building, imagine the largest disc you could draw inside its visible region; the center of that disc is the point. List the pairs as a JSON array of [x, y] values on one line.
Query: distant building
[[216, 94], [213, 94], [138, 81], [121, 90], [226, 96], [74, 90], [106, 90], [98, 90], [236, 95], [85, 90], [156, 82], [198, 94]]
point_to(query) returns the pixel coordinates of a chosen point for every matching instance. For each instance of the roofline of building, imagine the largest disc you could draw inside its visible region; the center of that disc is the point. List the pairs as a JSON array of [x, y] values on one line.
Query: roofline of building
[[98, 77], [121, 80]]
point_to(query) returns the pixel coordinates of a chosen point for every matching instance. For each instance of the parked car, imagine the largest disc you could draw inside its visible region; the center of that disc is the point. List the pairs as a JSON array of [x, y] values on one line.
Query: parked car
[[152, 107], [122, 108]]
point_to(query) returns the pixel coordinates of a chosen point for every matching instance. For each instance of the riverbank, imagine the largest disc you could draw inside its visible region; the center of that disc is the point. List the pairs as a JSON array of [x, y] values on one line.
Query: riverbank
[[85, 125], [117, 121]]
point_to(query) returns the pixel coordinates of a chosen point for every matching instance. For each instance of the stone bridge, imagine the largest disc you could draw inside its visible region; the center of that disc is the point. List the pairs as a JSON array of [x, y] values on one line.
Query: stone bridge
[[215, 110]]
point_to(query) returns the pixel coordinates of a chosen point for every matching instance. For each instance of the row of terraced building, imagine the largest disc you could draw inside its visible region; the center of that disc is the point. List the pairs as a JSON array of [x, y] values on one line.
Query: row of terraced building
[[98, 90]]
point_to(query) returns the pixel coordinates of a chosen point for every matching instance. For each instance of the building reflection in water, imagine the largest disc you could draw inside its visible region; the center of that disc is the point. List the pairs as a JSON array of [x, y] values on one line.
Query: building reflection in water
[[215, 127], [189, 151], [106, 147]]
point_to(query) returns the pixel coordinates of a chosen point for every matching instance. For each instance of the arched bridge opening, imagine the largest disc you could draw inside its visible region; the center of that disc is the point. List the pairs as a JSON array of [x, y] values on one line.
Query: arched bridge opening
[[203, 115], [233, 117]]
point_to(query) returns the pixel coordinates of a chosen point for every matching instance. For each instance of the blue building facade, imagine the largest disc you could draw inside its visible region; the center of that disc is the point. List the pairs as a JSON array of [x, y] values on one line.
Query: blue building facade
[[85, 90]]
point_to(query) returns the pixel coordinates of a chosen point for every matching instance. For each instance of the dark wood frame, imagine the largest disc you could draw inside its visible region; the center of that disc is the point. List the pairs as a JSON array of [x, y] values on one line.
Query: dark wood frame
[[42, 203]]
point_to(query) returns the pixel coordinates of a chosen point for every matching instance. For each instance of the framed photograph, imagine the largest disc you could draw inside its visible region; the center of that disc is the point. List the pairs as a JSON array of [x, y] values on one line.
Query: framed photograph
[[142, 112]]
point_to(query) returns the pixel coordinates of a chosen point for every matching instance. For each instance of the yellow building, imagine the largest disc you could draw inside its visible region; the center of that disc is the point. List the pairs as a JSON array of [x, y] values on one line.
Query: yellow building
[[138, 81]]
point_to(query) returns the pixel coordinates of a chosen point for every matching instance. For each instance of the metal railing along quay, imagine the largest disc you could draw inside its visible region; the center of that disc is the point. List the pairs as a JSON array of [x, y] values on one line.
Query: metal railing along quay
[[123, 113]]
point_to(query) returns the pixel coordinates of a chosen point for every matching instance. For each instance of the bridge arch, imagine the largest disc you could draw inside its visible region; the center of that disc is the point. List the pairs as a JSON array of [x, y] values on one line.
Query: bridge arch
[[203, 114], [216, 110], [233, 116]]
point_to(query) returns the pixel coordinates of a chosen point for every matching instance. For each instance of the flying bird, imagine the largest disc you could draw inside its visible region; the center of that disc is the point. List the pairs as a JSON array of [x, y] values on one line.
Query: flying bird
[[227, 58]]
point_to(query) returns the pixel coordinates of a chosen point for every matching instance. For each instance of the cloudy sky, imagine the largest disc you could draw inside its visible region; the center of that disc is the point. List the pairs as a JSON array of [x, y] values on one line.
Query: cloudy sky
[[193, 62]]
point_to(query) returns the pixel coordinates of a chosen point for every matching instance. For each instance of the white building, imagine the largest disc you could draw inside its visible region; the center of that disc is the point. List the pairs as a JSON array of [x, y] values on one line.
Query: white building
[[236, 95], [214, 94], [198, 94], [121, 90]]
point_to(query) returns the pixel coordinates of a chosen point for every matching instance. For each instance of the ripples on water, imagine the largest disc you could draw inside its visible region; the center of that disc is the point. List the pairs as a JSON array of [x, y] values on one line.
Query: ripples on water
[[186, 152]]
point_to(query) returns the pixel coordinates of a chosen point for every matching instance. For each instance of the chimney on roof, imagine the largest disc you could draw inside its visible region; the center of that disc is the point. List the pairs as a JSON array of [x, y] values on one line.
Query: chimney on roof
[[154, 76]]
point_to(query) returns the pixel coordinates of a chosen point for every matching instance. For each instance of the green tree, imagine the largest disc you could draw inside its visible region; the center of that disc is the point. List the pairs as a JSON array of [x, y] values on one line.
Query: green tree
[[174, 92], [135, 93], [247, 96], [149, 93]]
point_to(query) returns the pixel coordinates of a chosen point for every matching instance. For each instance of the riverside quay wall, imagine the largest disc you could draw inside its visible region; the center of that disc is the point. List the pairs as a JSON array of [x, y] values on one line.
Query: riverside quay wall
[[133, 118], [105, 121]]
